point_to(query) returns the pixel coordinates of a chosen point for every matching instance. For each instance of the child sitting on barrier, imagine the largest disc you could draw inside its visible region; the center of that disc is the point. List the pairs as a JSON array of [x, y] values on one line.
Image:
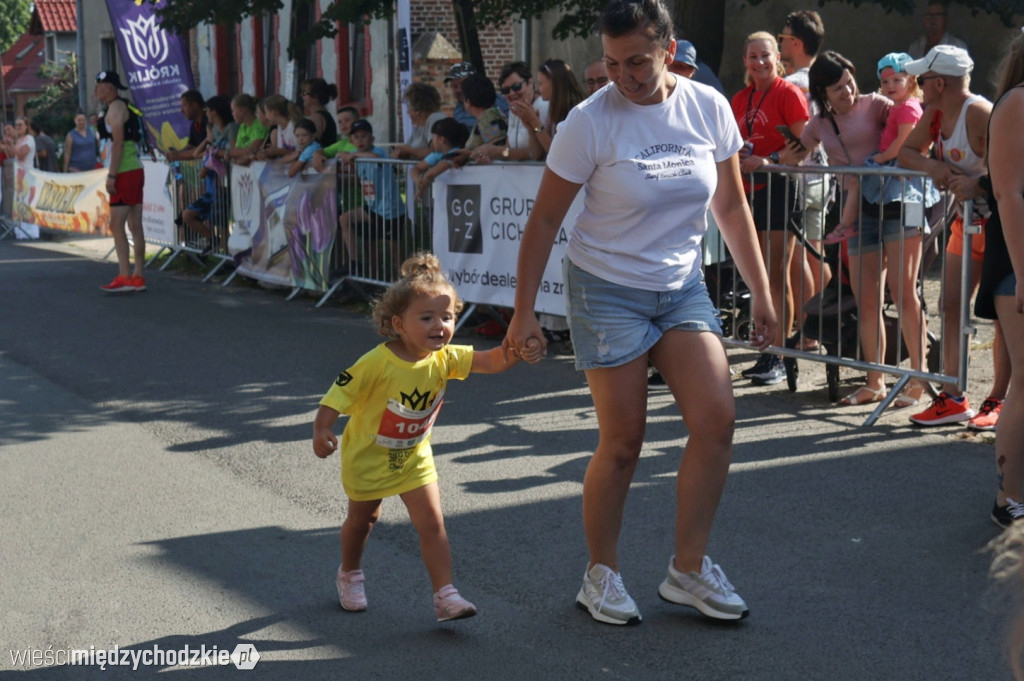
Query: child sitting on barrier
[[447, 138], [382, 210], [305, 133], [393, 395], [902, 89]]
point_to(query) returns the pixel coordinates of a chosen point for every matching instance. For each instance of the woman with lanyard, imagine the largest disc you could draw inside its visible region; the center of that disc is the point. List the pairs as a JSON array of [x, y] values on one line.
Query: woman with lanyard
[[769, 101], [634, 292]]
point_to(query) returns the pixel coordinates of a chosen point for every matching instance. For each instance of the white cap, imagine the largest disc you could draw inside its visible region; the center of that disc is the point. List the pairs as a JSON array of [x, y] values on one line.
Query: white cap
[[945, 60]]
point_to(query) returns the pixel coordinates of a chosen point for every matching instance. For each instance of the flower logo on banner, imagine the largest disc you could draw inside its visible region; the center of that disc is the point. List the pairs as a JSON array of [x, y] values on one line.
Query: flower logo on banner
[[246, 185], [146, 43]]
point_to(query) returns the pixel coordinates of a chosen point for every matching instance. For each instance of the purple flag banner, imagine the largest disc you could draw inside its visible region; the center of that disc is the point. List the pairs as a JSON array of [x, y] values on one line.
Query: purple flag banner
[[156, 67]]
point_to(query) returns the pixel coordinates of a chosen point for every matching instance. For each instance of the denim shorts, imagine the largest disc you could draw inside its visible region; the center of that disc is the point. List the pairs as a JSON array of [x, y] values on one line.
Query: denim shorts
[[613, 324], [1006, 287], [871, 231]]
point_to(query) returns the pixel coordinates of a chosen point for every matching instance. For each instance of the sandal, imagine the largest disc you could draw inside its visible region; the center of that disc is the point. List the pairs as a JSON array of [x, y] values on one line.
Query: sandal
[[910, 396], [864, 395]]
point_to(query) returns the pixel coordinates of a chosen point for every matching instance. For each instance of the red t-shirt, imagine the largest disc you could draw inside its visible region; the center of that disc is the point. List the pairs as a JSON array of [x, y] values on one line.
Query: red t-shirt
[[757, 114]]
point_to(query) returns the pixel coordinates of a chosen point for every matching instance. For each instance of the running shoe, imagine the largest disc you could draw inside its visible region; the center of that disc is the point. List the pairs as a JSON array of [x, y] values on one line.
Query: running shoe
[[604, 597], [762, 363], [138, 282], [119, 285], [774, 372], [351, 592], [449, 605], [944, 409], [710, 591], [1004, 516], [988, 416]]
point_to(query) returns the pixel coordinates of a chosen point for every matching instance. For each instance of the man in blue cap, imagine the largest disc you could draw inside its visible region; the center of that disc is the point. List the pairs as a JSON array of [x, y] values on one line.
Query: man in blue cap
[[456, 74], [687, 65]]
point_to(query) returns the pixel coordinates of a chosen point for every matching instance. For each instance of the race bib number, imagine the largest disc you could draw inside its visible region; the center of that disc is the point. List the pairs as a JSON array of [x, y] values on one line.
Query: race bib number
[[404, 428]]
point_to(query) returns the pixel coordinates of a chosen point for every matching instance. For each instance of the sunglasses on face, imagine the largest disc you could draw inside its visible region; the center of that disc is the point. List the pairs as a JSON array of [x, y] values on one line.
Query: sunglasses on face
[[591, 82], [922, 79], [515, 87]]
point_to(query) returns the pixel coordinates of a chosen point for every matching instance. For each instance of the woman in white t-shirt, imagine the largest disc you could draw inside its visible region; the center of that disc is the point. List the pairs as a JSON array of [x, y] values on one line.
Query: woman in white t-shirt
[[651, 152]]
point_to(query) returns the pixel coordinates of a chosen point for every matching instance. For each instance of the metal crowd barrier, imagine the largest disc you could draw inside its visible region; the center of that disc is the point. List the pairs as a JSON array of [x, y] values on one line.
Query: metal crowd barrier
[[829, 315], [187, 187], [379, 245]]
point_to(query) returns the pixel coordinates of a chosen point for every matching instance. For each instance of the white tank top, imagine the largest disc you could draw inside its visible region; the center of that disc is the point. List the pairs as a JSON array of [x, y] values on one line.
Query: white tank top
[[957, 152], [957, 149]]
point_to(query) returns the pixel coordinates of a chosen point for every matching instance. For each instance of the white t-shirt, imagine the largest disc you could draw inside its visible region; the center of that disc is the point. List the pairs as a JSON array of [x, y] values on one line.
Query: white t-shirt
[[286, 137], [30, 160], [649, 172]]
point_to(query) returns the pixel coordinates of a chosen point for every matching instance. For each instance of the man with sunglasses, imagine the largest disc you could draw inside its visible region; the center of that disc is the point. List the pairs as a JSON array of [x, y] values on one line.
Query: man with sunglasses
[[527, 111], [949, 143]]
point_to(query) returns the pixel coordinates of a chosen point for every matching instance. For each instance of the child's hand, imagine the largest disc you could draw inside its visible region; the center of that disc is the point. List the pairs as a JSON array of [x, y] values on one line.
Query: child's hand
[[325, 442], [533, 352]]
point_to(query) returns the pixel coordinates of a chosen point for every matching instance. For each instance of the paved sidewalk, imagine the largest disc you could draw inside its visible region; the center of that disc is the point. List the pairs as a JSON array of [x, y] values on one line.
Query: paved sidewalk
[[159, 490]]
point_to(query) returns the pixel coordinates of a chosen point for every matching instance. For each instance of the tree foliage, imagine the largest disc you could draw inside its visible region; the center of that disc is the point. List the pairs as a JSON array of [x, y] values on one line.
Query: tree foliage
[[55, 107], [16, 15], [577, 17], [1004, 9]]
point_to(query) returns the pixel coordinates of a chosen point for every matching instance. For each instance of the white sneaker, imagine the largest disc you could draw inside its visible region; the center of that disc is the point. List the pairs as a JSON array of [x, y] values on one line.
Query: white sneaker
[[351, 593], [710, 591], [449, 605], [604, 597]]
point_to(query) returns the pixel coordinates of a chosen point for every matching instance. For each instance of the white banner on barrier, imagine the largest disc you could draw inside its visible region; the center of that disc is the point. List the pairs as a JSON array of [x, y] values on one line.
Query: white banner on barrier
[[78, 202], [479, 216], [157, 209]]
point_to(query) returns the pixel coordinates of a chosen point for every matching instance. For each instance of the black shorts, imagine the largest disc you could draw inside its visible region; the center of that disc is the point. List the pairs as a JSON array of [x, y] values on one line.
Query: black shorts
[[771, 201]]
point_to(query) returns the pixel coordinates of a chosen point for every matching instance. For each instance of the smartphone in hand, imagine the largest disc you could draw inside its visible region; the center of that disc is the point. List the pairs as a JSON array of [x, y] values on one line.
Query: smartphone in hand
[[788, 134]]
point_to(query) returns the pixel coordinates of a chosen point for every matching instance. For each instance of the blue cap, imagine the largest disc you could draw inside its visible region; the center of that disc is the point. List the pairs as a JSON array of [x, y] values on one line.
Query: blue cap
[[686, 53], [895, 61]]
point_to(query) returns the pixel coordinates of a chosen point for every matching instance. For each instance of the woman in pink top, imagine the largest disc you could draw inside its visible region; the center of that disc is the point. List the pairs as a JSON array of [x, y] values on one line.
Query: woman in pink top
[[850, 128]]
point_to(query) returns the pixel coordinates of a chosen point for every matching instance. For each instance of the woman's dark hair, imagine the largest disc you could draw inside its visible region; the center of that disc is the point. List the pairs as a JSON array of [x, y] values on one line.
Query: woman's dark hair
[[622, 17], [565, 90], [220, 105], [521, 68], [451, 130], [423, 98], [826, 71], [479, 91], [307, 125], [320, 90]]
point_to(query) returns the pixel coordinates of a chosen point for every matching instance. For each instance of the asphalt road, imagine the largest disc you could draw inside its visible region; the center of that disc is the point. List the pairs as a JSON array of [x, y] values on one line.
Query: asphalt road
[[159, 489]]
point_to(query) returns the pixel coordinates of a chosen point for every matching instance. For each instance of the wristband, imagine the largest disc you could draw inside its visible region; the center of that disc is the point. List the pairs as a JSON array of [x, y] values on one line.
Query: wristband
[[774, 156]]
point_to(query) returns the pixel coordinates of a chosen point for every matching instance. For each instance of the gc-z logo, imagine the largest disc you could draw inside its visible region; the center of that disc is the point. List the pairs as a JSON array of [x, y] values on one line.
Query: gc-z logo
[[464, 219]]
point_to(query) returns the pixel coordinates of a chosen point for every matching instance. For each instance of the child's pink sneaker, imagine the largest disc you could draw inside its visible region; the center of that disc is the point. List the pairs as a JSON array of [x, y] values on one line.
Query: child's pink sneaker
[[449, 605], [350, 590]]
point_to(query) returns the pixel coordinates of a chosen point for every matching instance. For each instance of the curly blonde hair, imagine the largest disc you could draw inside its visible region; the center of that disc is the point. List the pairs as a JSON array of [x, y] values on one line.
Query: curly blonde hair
[[421, 275]]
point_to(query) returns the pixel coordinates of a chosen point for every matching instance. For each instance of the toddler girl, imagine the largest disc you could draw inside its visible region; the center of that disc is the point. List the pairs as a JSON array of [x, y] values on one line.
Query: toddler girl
[[393, 394], [902, 89]]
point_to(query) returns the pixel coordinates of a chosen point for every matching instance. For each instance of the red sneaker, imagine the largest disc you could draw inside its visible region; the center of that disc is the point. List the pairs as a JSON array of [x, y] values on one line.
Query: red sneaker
[[138, 282], [944, 409], [119, 285], [988, 415]]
